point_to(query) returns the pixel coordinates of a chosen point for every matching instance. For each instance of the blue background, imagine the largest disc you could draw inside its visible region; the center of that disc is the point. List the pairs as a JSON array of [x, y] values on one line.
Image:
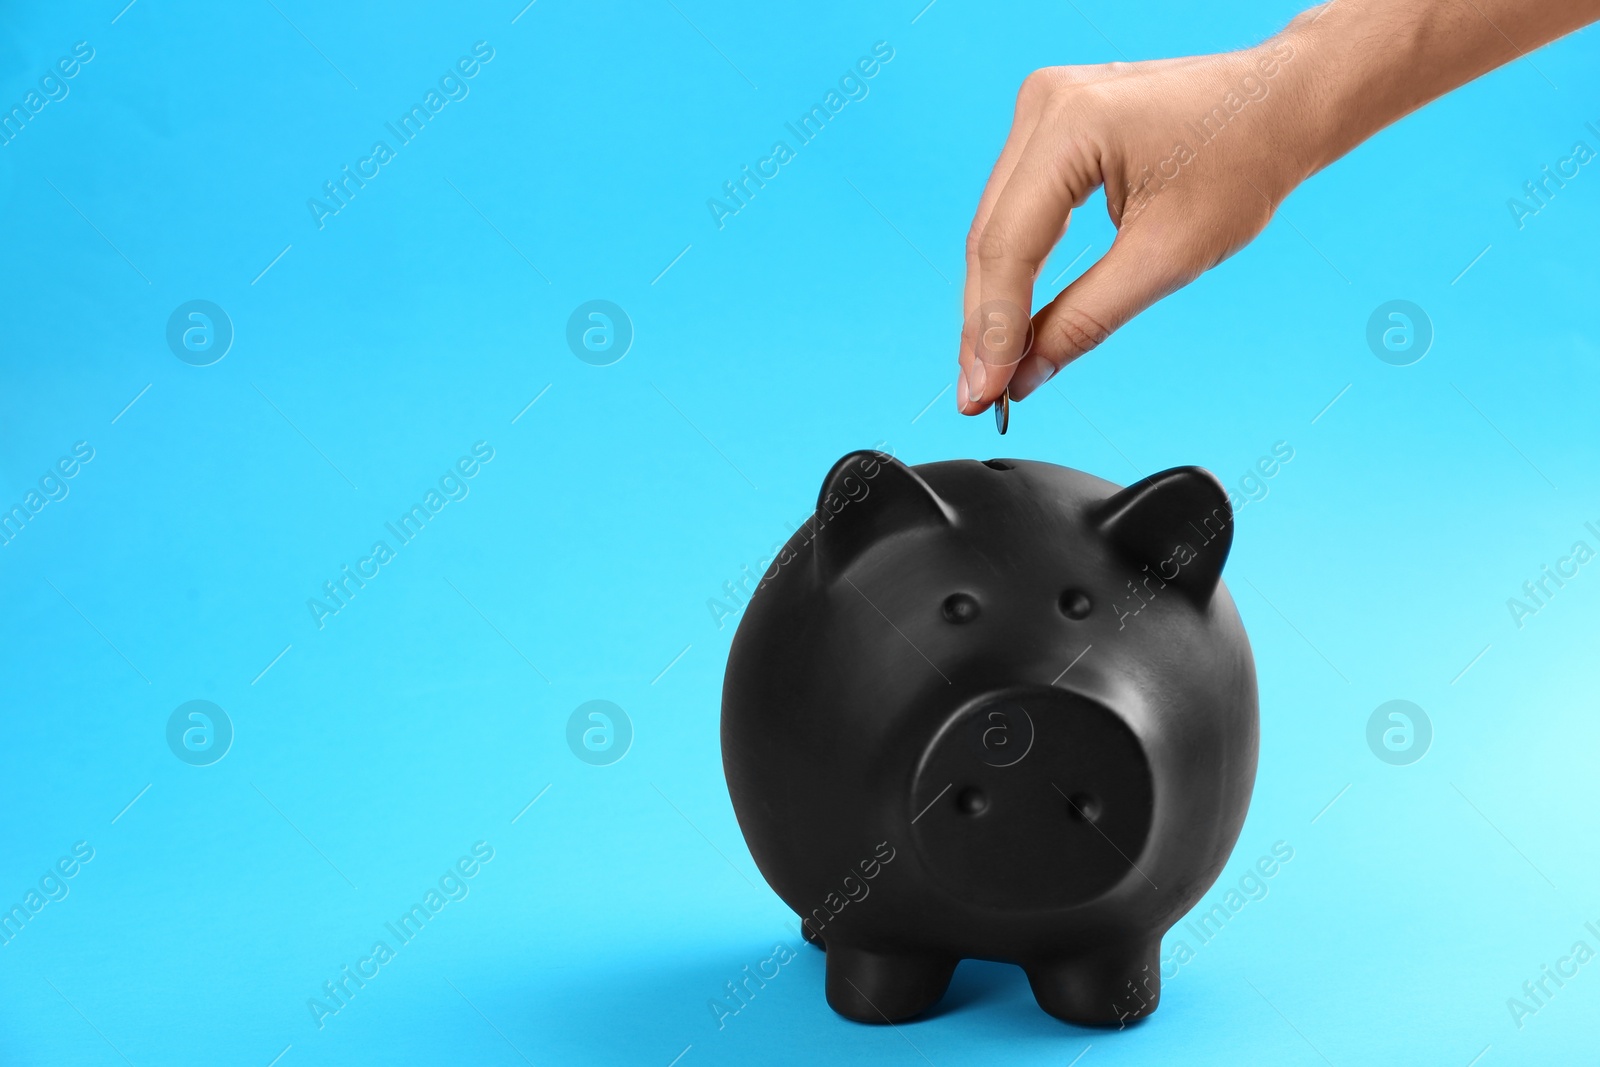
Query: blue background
[[425, 716]]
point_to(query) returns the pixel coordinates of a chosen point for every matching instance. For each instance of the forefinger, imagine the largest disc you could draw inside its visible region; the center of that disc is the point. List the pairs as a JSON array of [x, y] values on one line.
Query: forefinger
[[1024, 121], [1025, 223]]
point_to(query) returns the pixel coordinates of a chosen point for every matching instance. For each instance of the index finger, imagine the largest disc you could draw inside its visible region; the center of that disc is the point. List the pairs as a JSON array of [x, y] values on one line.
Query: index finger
[[1031, 214], [1025, 119]]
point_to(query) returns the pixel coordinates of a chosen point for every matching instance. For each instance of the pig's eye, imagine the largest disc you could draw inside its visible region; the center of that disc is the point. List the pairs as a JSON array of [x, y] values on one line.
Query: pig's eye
[[1084, 807], [1075, 604], [960, 607]]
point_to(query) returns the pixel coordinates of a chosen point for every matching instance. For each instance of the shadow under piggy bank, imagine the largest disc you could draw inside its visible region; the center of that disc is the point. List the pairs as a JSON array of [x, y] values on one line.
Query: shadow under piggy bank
[[699, 995]]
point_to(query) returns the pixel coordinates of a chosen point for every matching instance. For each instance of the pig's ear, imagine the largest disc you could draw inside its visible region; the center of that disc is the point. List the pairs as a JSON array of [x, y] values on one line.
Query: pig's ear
[[867, 497], [1177, 522]]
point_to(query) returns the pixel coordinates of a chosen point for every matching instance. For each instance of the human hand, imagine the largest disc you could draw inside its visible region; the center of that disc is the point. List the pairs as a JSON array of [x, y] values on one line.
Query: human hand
[[1195, 154]]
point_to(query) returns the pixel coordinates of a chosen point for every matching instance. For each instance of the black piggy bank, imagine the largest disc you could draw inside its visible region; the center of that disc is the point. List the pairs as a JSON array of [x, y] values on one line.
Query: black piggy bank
[[1000, 710]]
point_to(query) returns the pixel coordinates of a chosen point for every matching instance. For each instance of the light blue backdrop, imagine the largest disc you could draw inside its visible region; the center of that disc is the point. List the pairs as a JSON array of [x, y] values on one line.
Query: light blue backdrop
[[369, 354]]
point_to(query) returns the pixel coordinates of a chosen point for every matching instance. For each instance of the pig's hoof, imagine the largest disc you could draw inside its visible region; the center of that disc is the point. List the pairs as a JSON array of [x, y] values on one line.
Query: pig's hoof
[[1110, 988], [875, 987], [813, 939]]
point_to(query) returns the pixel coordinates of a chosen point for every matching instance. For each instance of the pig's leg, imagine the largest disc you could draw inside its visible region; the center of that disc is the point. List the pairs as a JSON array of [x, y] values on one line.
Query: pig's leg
[[1110, 986], [879, 987]]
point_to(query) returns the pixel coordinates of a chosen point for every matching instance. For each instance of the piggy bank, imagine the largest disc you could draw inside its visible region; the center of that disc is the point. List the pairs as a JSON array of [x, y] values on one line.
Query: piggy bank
[[1001, 710]]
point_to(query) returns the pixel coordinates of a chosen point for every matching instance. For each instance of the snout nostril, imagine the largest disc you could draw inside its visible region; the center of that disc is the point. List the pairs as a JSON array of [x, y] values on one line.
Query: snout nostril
[[960, 607], [997, 464], [1075, 604], [971, 802], [1084, 807]]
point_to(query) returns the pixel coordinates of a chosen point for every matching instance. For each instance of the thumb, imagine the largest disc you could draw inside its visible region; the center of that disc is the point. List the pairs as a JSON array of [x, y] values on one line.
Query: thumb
[[1130, 277]]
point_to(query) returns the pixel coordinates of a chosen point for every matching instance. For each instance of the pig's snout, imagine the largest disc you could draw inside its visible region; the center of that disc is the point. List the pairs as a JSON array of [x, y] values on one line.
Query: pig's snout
[[1034, 797]]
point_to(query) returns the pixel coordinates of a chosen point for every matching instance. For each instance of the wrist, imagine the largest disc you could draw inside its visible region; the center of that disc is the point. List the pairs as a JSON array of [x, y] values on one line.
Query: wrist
[[1292, 136], [1335, 96], [1363, 64]]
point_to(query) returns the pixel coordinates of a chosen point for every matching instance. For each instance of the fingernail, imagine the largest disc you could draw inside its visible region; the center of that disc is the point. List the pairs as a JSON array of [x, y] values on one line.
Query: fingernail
[[975, 378], [961, 390], [1030, 377]]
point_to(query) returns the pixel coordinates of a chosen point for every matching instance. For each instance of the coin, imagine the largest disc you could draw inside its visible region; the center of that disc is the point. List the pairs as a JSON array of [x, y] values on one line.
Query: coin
[[1002, 410]]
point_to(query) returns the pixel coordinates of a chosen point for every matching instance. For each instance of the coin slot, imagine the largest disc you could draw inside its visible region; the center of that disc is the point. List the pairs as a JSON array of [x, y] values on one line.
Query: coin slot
[[997, 465]]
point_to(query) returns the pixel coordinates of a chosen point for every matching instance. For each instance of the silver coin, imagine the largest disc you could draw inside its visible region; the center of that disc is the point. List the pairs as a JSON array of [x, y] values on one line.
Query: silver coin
[[1002, 410]]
